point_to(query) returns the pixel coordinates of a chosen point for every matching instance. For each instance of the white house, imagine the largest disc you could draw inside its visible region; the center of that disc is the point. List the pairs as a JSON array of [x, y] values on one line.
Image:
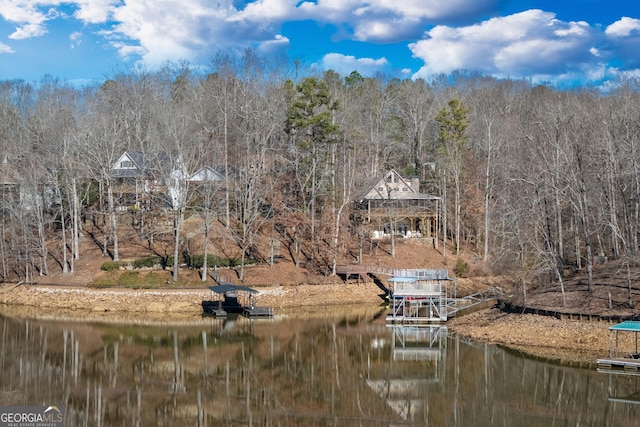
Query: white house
[[206, 174]]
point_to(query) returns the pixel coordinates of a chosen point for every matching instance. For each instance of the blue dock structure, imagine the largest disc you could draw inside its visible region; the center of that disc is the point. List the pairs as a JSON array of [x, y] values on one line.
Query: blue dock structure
[[627, 361]]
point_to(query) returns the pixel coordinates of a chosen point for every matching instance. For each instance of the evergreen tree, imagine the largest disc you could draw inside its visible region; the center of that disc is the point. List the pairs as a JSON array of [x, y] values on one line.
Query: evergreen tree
[[452, 145], [310, 124]]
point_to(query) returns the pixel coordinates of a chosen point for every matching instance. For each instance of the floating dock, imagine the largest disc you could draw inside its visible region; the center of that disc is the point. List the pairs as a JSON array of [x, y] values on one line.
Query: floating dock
[[230, 303], [257, 311], [214, 308], [620, 365]]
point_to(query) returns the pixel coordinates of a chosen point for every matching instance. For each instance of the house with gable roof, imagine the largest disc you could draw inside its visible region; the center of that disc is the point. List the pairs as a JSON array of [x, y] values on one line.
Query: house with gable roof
[[206, 174], [136, 176], [394, 204], [206, 188], [132, 165], [139, 177]]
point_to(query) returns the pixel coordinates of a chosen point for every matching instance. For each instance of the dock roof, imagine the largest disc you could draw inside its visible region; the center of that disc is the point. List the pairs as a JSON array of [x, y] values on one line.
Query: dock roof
[[627, 325], [230, 287]]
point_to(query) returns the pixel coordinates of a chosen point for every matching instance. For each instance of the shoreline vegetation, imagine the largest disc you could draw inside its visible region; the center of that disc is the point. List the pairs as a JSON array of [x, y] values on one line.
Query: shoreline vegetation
[[565, 341]]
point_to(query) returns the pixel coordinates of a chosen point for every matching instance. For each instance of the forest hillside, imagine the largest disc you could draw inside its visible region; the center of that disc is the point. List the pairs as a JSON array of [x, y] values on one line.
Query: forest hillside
[[615, 285], [534, 184]]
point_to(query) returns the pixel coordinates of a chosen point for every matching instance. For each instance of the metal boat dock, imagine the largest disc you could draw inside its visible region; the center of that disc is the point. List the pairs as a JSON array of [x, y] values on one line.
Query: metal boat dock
[[430, 296], [419, 296]]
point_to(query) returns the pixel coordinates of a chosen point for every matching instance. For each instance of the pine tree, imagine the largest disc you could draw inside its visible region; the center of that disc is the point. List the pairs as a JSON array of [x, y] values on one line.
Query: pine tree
[[452, 145]]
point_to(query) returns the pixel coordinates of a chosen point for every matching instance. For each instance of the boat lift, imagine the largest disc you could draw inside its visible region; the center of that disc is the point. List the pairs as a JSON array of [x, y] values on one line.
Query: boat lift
[[420, 296], [430, 296]]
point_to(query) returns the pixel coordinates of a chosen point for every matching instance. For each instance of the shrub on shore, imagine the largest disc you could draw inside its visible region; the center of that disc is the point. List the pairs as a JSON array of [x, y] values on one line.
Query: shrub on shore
[[153, 262], [138, 280]]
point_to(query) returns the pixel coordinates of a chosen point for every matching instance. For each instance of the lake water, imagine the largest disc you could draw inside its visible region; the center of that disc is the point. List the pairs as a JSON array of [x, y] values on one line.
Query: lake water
[[306, 369]]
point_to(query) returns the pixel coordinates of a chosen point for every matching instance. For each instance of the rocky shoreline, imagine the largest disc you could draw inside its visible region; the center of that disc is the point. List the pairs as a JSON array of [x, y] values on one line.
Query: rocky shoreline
[[572, 341], [178, 300]]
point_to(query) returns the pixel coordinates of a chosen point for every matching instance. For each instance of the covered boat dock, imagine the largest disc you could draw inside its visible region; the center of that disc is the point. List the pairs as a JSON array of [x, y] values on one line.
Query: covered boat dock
[[230, 302], [627, 361]]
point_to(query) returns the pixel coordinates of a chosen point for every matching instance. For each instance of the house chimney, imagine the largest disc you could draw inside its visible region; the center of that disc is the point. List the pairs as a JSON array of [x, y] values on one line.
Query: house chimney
[[415, 183]]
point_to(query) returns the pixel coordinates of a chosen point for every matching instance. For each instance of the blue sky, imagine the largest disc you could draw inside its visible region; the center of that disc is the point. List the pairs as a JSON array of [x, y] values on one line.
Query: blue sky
[[558, 41]]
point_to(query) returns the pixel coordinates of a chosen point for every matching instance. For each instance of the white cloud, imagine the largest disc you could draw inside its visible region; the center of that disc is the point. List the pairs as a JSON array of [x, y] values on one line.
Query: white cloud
[[392, 20], [623, 37], [28, 16], [624, 27], [278, 43], [28, 31], [380, 30], [373, 20], [76, 39], [5, 49], [166, 30], [32, 16], [430, 10], [345, 64], [530, 44], [261, 10], [95, 11], [174, 29], [127, 51]]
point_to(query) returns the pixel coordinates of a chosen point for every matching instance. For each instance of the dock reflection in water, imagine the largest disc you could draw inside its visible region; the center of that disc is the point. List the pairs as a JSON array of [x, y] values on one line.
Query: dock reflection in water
[[349, 369]]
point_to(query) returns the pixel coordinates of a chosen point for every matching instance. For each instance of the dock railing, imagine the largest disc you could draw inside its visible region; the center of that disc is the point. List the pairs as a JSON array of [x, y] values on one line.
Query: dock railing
[[456, 305], [421, 274]]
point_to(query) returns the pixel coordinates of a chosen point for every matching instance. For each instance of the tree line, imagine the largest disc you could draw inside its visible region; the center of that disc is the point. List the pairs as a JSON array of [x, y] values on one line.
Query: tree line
[[536, 180]]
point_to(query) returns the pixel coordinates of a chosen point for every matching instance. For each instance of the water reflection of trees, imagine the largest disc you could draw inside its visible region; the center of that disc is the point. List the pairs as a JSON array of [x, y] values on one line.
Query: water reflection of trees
[[314, 371]]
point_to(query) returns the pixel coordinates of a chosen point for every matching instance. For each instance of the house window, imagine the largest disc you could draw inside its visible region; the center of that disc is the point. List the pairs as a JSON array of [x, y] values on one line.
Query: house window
[[405, 189], [126, 164]]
